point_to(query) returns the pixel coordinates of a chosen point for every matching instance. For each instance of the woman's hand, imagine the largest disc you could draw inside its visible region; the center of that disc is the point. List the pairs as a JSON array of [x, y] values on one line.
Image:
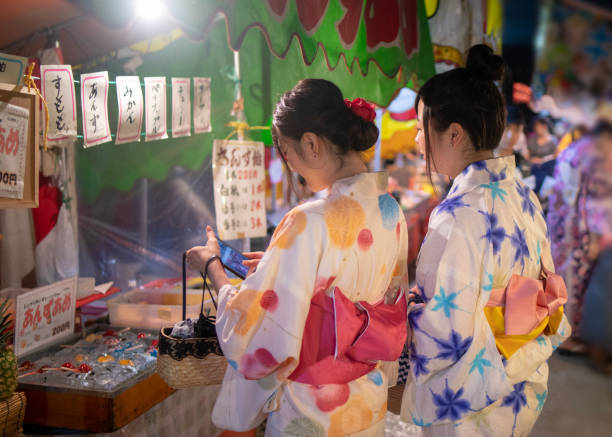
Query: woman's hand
[[252, 261], [198, 256]]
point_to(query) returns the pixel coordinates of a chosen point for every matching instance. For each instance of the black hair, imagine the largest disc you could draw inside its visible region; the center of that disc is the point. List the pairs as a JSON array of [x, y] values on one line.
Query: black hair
[[317, 106], [467, 96]]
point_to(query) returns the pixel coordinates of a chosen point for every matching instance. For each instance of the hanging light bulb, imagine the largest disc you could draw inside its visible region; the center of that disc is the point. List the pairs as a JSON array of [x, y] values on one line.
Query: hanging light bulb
[[149, 9]]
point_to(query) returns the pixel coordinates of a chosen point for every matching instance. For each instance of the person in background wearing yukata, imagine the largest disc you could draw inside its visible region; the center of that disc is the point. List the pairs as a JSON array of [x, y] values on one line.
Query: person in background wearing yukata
[[300, 346], [479, 369]]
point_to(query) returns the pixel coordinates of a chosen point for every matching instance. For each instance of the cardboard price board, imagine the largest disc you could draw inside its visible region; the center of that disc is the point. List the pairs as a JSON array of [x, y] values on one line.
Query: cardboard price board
[[44, 315], [19, 145], [239, 180]]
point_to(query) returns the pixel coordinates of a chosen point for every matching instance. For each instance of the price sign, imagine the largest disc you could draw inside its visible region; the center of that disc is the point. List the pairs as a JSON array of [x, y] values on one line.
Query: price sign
[[44, 315], [13, 139], [239, 186]]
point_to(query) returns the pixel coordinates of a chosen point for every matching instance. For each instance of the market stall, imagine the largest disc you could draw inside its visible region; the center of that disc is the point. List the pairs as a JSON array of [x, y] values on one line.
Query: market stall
[[139, 157]]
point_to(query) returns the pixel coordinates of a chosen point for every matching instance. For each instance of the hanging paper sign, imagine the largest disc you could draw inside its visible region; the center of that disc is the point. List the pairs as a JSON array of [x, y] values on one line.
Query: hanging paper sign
[[44, 315], [58, 90], [12, 68], [129, 96], [238, 176], [94, 100], [13, 145], [201, 105], [181, 107], [155, 99]]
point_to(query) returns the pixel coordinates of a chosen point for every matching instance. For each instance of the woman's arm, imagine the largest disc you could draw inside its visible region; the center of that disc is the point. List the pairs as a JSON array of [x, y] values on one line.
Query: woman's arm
[[260, 327]]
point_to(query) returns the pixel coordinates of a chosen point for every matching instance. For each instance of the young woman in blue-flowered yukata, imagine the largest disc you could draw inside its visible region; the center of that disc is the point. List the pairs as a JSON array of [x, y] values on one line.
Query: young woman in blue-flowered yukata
[[493, 311]]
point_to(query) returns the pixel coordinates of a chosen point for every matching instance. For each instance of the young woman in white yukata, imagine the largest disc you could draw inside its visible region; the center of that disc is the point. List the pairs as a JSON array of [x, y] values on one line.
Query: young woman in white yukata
[[306, 333], [493, 311]]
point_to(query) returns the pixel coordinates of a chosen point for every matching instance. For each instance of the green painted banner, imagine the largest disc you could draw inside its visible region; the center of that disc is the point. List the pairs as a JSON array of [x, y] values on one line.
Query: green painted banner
[[273, 57]]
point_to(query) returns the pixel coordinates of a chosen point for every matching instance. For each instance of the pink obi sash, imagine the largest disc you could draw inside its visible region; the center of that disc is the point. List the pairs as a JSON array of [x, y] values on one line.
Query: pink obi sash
[[525, 309], [344, 340]]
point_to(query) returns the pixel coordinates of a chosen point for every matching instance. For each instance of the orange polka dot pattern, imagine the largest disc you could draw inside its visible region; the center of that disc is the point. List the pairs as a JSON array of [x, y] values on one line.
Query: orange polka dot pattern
[[344, 218], [292, 225]]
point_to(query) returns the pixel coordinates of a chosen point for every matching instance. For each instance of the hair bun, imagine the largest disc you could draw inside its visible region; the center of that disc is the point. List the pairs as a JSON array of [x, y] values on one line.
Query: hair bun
[[483, 64]]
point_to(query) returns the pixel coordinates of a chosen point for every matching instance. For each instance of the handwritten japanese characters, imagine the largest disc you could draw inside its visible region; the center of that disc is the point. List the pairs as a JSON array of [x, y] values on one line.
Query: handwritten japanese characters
[[201, 105], [155, 101], [13, 141], [44, 315], [58, 90], [94, 100], [181, 107], [129, 98], [239, 186]]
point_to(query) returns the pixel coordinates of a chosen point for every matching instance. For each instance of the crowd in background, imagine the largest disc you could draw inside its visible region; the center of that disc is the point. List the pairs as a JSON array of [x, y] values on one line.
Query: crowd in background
[[570, 167]]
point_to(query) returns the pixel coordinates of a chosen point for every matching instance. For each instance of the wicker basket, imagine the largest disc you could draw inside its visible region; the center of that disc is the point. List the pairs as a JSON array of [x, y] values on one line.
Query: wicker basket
[[188, 368], [191, 362], [12, 411]]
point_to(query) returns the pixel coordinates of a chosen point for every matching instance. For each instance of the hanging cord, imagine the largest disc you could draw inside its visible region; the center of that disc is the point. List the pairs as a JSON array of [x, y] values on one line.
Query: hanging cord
[[240, 127], [205, 286], [29, 81]]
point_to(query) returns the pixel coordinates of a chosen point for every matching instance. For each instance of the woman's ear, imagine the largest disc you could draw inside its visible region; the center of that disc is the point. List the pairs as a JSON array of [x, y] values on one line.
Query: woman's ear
[[457, 134], [311, 145]]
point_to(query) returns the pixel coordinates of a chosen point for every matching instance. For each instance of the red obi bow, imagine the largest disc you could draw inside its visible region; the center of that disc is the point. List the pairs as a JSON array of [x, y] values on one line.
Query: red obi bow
[[343, 340]]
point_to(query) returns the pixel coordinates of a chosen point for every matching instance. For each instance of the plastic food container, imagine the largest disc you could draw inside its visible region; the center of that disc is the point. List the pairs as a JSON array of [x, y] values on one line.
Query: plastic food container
[[155, 308]]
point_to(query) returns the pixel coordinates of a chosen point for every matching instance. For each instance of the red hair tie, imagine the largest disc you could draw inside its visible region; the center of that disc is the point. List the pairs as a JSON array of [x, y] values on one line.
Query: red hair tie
[[361, 108]]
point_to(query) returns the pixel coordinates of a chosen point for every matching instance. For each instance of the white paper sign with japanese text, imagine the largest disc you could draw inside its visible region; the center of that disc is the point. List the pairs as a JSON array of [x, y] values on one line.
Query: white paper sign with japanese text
[[129, 98], [13, 149], [58, 90], [201, 105], [239, 187], [155, 101], [94, 106], [12, 68], [44, 315], [181, 107]]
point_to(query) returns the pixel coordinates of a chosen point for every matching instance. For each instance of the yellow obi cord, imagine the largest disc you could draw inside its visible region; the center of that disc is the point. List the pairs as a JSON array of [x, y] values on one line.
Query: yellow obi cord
[[509, 344]]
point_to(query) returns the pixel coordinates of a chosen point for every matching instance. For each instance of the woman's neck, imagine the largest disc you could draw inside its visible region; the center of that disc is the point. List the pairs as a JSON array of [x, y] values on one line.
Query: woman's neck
[[475, 156], [349, 165]]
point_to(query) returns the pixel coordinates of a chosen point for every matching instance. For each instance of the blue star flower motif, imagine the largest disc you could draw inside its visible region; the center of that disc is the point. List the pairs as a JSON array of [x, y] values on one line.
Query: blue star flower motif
[[541, 397], [479, 165], [488, 287], [445, 302], [420, 422], [521, 250], [453, 348], [496, 177], [450, 404], [418, 363], [541, 340], [450, 204], [422, 292], [516, 399], [496, 191], [527, 204], [479, 363], [413, 318], [495, 235]]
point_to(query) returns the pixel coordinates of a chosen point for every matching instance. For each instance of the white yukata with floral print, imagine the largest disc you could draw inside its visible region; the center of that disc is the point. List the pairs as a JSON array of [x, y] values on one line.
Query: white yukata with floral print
[[356, 240], [488, 228]]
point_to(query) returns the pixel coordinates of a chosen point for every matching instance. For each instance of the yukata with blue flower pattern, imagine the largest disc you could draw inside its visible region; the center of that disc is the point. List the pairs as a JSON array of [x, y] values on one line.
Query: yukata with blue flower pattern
[[488, 228]]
